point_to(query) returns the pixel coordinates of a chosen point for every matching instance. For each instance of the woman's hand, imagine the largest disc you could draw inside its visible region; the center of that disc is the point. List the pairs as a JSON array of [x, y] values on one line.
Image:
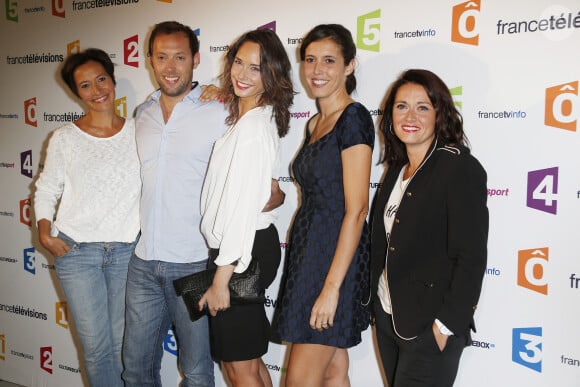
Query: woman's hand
[[210, 93], [322, 314], [56, 246], [217, 297]]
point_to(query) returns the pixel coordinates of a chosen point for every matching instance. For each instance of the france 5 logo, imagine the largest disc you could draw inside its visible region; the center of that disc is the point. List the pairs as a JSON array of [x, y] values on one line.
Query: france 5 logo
[[368, 30], [464, 28], [527, 347], [542, 190], [562, 109]]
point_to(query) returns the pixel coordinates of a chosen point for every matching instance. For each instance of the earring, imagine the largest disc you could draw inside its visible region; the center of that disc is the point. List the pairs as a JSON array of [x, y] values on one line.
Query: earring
[[391, 128]]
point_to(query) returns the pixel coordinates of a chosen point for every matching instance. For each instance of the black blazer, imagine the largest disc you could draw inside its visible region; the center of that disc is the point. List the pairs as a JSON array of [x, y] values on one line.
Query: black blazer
[[438, 245]]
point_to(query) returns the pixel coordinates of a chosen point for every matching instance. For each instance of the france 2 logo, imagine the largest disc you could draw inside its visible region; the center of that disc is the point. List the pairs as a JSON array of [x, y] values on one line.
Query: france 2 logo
[[542, 190], [527, 347], [464, 22], [562, 106], [131, 51], [46, 359]]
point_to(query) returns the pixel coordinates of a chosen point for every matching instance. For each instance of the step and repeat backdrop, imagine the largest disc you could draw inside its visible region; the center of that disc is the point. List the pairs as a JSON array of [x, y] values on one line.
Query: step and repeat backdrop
[[512, 67]]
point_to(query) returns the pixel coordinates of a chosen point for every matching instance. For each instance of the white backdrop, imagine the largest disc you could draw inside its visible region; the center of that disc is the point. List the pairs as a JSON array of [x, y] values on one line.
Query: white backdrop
[[513, 68]]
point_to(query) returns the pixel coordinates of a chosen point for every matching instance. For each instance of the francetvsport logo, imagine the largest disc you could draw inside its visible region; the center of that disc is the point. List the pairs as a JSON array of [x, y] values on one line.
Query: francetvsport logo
[[527, 347], [542, 190], [562, 109], [464, 26], [532, 265]]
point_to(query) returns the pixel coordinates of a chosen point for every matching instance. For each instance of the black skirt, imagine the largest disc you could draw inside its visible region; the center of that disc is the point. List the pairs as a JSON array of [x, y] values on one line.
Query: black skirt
[[242, 332]]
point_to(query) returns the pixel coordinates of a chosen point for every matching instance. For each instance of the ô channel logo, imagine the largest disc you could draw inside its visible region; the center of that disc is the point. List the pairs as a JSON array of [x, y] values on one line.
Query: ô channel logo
[[73, 47], [58, 8], [562, 106], [30, 112], [527, 347], [464, 22], [131, 51], [532, 266], [542, 190], [25, 205]]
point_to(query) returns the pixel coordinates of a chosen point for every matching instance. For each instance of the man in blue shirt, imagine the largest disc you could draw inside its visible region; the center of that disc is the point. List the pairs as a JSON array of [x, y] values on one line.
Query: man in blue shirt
[[175, 133]]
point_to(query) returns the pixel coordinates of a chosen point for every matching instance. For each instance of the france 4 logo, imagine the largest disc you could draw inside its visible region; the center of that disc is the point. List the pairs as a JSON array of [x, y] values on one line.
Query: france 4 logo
[[542, 190], [527, 347]]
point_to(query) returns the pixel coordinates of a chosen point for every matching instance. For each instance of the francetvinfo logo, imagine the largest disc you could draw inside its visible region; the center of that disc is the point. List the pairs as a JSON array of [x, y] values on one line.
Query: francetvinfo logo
[[464, 27], [532, 266], [562, 108]]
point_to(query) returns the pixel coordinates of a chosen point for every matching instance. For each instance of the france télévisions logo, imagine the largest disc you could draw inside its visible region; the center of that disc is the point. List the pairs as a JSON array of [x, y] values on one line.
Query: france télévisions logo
[[532, 266], [562, 106], [46, 359], [527, 347], [30, 112], [58, 8], [170, 344], [131, 51], [542, 190], [464, 28]]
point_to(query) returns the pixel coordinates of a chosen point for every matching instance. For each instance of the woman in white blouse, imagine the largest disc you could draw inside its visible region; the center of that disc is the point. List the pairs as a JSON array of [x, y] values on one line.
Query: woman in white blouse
[[258, 92], [92, 167]]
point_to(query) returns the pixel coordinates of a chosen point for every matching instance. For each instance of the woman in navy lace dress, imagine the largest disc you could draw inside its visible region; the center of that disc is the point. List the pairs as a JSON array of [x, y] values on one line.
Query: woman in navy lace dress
[[323, 310]]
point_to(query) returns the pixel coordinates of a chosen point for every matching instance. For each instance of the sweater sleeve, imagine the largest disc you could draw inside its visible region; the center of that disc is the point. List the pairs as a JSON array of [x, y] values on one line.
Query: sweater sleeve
[[50, 183]]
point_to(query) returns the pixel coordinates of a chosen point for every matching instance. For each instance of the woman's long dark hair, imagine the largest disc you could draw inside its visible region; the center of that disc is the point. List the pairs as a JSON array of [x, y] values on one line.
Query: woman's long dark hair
[[448, 120], [275, 70]]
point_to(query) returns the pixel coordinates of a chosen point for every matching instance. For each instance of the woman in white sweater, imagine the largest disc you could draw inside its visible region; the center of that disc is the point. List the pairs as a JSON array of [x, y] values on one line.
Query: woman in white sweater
[[92, 168], [258, 91]]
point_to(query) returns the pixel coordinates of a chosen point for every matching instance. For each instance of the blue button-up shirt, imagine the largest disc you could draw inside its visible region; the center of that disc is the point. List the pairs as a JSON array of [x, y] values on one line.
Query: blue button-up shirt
[[174, 157]]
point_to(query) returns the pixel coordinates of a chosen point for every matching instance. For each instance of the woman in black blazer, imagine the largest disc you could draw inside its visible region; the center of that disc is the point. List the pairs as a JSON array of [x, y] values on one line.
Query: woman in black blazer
[[429, 235]]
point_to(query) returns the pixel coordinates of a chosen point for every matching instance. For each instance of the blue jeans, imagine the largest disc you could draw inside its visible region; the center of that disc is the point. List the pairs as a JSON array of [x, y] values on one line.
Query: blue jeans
[[152, 306], [93, 276]]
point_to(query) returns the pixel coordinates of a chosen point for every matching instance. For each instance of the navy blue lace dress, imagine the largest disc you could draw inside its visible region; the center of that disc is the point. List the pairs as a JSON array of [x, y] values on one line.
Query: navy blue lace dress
[[313, 239]]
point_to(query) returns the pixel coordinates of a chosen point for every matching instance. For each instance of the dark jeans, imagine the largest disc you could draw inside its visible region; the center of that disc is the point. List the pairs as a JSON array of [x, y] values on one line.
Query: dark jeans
[[417, 362]]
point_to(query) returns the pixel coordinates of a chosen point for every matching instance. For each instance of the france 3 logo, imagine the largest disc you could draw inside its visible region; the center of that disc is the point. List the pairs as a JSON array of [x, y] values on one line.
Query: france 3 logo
[[562, 109], [527, 347], [542, 190], [532, 265], [464, 26], [29, 255], [46, 359], [170, 344]]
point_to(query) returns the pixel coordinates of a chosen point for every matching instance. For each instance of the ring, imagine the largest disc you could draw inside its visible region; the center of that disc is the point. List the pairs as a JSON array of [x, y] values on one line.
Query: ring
[[324, 325]]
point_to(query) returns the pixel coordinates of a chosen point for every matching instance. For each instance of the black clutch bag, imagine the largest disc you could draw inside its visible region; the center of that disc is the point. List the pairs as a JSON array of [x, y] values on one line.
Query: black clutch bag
[[245, 288]]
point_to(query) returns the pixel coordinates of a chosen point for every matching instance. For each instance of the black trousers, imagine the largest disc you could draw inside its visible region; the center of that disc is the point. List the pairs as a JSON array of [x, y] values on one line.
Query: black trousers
[[417, 362]]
